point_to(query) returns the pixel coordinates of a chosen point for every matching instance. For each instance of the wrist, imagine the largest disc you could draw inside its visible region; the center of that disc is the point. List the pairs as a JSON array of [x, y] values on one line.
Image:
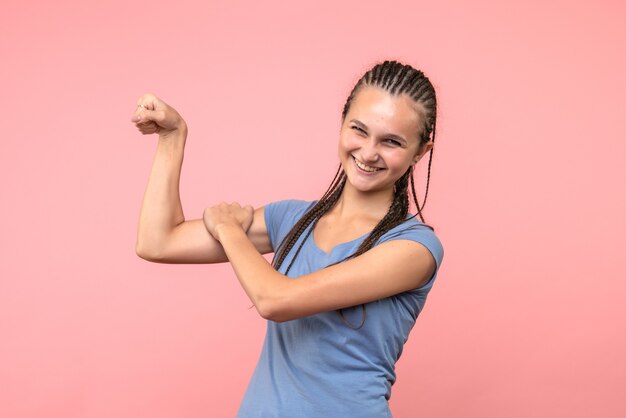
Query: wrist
[[179, 133], [224, 230]]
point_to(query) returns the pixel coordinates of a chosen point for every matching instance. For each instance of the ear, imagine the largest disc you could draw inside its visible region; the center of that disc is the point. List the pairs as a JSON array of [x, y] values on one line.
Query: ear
[[424, 149]]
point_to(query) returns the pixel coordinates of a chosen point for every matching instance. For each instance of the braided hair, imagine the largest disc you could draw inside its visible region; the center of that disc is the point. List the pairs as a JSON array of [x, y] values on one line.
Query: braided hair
[[396, 79]]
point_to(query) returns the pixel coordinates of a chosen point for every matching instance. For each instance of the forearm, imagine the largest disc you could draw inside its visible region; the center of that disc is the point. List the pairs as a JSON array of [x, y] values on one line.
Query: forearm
[[161, 209], [263, 285]]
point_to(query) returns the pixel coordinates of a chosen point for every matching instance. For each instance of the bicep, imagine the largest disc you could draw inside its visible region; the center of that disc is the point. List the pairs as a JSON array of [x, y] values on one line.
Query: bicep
[[191, 243], [387, 269]]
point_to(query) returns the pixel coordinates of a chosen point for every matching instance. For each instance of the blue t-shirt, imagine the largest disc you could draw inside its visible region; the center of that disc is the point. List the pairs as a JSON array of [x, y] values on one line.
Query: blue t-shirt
[[318, 366]]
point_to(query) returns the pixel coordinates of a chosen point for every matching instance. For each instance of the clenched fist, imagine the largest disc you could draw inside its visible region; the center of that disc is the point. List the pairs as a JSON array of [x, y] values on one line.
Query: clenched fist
[[153, 115]]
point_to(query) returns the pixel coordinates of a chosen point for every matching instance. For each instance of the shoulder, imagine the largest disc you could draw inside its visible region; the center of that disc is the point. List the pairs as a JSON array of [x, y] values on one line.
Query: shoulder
[[286, 211], [288, 206], [282, 215], [414, 230]]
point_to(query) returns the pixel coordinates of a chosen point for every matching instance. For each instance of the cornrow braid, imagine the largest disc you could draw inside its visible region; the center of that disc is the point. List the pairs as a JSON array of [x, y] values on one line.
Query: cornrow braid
[[396, 79]]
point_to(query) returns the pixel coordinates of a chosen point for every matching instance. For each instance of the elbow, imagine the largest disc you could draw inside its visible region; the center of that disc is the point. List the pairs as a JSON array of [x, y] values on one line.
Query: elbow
[[283, 303], [264, 308], [147, 253], [141, 253], [273, 310]]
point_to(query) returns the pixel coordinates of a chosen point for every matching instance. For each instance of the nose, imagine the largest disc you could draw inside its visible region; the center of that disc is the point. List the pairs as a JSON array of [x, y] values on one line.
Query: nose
[[369, 151]]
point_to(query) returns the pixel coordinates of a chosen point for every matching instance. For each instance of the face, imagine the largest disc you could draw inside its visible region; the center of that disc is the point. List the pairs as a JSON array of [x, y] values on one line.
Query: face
[[379, 139]]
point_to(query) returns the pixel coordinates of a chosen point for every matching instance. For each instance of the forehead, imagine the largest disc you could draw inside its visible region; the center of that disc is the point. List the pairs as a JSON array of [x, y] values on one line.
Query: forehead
[[376, 108]]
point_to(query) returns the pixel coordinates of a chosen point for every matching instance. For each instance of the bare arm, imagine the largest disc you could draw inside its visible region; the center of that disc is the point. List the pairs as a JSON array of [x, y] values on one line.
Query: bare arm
[[163, 235]]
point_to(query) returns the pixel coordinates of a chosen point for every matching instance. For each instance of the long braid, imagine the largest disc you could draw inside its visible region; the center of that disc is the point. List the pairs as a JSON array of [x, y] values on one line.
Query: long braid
[[317, 214], [417, 205], [320, 208], [396, 79], [430, 159]]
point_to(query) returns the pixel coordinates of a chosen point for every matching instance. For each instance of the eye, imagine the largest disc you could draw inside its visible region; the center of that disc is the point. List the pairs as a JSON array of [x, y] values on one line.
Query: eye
[[393, 142], [356, 128]]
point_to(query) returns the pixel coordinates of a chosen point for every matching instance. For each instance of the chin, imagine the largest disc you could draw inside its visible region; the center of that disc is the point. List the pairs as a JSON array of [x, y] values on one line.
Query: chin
[[366, 186]]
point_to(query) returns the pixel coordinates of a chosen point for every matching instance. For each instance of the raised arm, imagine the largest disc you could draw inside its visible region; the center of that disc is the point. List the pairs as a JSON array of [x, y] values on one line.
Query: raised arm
[[163, 234]]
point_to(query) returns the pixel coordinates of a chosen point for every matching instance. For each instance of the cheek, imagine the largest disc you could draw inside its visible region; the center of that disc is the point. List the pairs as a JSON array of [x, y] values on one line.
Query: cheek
[[347, 143], [395, 158]]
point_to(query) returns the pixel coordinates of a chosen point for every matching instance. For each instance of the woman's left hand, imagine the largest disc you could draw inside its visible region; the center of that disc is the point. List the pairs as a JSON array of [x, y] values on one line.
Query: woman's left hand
[[227, 214]]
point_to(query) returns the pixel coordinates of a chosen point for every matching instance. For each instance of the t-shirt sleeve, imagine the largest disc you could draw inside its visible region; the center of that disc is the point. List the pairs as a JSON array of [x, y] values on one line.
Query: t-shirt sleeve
[[422, 234], [281, 216]]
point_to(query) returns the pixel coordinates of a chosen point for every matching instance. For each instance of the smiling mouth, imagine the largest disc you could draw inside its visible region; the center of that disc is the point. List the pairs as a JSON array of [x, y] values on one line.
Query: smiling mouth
[[365, 167]]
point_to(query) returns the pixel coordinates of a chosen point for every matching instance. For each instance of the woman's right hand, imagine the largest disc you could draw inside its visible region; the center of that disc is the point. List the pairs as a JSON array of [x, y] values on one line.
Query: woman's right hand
[[153, 115]]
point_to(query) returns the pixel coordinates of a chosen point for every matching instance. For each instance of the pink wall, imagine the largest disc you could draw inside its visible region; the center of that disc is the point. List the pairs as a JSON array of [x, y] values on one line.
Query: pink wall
[[527, 195]]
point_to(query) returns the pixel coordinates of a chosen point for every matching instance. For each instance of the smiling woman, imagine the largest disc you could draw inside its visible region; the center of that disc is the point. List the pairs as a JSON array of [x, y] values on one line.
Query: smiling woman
[[364, 266], [381, 139]]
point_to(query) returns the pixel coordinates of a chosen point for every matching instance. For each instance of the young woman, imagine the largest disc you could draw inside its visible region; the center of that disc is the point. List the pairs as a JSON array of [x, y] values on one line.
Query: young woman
[[351, 270]]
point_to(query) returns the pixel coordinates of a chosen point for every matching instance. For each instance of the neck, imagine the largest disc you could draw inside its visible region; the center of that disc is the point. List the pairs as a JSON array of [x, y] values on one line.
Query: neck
[[357, 204]]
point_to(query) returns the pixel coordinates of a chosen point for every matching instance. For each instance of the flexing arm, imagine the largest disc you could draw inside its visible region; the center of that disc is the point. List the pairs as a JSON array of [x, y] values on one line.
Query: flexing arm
[[163, 235]]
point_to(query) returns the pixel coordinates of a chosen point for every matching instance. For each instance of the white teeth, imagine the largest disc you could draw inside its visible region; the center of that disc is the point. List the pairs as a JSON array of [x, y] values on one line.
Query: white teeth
[[365, 167]]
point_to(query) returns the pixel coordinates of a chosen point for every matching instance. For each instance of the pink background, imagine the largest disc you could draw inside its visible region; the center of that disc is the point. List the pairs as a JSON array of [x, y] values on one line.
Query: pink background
[[527, 194]]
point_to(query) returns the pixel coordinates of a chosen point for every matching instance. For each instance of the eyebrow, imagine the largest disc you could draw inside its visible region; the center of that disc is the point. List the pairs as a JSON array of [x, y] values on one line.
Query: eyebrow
[[390, 136]]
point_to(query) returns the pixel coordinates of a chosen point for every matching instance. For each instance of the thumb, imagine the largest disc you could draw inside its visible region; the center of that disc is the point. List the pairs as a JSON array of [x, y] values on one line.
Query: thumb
[[249, 219], [147, 116]]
